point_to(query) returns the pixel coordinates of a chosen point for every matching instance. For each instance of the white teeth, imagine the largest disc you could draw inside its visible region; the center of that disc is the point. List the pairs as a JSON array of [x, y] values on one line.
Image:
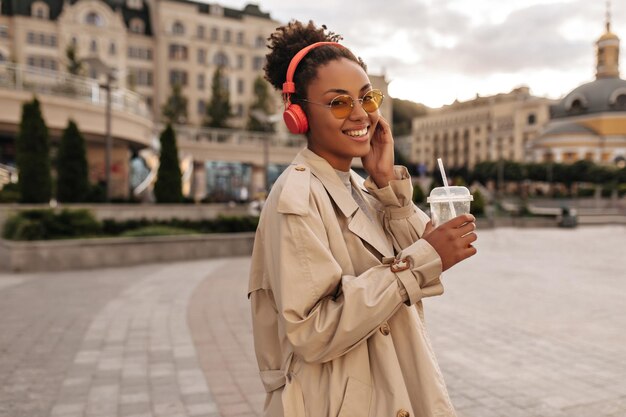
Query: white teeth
[[356, 133]]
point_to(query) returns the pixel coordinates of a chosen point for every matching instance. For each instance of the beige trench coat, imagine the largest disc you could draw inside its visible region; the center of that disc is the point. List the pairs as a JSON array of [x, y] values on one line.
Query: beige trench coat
[[337, 319]]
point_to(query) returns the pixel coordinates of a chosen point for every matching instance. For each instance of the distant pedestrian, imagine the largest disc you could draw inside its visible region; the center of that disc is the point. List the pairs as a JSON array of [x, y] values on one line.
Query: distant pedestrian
[[340, 265]]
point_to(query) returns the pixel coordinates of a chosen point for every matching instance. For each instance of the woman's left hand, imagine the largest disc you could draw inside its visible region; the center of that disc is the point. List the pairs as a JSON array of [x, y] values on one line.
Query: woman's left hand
[[379, 161]]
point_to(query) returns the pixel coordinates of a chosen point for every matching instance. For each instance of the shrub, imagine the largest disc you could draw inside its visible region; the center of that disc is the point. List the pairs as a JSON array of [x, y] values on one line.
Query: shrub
[[158, 231], [46, 224], [10, 193]]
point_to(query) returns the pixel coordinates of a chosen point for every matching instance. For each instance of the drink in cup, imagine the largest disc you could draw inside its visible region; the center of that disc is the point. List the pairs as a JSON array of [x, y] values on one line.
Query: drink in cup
[[449, 202]]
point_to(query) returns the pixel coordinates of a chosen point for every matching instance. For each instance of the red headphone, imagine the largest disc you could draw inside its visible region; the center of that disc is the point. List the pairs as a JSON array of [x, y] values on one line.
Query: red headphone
[[294, 116]]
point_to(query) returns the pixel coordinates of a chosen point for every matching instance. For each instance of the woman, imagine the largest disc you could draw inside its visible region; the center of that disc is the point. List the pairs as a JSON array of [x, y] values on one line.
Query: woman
[[340, 265]]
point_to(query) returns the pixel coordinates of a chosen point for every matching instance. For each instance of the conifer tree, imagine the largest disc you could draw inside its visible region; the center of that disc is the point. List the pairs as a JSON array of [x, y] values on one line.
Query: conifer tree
[[263, 104], [174, 111], [33, 155], [72, 170], [168, 187], [218, 110]]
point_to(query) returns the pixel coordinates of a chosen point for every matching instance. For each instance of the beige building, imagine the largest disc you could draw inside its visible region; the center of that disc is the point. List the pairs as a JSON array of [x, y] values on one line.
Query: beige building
[[590, 122], [151, 44], [483, 129]]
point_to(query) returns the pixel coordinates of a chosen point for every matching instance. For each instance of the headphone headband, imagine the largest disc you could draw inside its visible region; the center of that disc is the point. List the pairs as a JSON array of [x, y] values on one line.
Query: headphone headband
[[288, 86]]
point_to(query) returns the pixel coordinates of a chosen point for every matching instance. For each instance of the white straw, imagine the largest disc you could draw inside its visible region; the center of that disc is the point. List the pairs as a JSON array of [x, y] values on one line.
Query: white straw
[[446, 186]]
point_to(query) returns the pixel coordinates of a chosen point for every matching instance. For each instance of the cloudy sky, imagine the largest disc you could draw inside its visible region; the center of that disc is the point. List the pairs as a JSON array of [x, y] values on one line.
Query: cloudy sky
[[436, 51]]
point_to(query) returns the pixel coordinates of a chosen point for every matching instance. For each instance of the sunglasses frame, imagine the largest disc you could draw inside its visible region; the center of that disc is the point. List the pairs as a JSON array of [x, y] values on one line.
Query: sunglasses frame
[[352, 100]]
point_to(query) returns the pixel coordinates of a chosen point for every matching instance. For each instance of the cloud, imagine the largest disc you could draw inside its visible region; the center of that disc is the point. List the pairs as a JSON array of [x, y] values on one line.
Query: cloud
[[527, 39]]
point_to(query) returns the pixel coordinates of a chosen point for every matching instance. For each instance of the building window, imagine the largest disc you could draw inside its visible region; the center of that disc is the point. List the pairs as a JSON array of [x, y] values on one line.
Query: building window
[[259, 42], [532, 119], [216, 10], [142, 77], [3, 58], [137, 25], [225, 83], [178, 77], [258, 63], [4, 32], [178, 52], [112, 49], [239, 110], [239, 61], [201, 56], [178, 28], [200, 81], [140, 53], [74, 41], [227, 35], [42, 62], [214, 34], [93, 46], [201, 107], [240, 86], [240, 38], [220, 59], [620, 102], [94, 19], [200, 32], [40, 10]]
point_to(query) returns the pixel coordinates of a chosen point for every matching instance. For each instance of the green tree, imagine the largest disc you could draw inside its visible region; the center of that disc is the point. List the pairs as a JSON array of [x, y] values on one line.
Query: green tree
[[174, 110], [263, 104], [74, 65], [418, 194], [477, 207], [168, 187], [33, 156], [72, 170], [404, 111], [218, 111]]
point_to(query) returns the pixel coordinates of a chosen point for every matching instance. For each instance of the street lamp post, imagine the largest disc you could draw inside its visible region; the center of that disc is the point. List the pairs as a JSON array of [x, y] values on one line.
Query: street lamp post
[[100, 66], [108, 145]]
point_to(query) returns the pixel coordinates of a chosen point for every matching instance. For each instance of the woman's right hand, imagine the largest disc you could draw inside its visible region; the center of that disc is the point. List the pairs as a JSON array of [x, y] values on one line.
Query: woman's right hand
[[453, 240]]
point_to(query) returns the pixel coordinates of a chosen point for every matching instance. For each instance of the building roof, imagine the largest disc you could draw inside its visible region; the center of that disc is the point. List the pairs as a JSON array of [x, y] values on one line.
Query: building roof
[[598, 96], [23, 8], [567, 128]]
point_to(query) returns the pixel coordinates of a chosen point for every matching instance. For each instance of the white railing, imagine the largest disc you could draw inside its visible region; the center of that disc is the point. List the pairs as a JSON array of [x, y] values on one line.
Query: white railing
[[237, 137], [48, 82]]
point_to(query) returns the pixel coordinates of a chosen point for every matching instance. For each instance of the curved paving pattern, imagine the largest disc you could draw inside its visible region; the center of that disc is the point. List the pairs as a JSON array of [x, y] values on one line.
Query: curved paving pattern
[[531, 327]]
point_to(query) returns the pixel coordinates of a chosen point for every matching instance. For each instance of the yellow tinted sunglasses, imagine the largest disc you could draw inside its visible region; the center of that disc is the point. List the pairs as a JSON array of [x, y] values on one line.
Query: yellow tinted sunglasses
[[342, 105]]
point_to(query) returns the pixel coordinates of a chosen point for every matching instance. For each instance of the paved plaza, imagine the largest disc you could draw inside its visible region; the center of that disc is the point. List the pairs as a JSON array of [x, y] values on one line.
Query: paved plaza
[[533, 326]]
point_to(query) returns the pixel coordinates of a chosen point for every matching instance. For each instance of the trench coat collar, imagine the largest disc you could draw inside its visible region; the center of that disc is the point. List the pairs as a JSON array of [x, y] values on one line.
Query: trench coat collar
[[359, 224]]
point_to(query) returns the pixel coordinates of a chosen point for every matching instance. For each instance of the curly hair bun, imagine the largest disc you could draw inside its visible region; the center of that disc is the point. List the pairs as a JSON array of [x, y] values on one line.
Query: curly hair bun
[[288, 40]]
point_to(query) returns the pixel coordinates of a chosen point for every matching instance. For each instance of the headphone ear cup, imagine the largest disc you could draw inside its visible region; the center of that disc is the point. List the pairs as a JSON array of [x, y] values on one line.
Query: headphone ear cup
[[295, 119]]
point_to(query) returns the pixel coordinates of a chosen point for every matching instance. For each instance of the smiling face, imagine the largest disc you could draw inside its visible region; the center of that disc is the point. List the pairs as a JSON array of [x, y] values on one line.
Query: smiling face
[[339, 140]]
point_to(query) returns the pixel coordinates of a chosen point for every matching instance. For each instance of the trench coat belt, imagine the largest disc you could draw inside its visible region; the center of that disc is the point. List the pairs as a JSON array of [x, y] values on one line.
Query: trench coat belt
[[273, 379]]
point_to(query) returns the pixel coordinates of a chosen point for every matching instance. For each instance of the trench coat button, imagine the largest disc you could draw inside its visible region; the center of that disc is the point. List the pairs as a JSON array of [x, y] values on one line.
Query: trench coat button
[[385, 329], [403, 413], [300, 168]]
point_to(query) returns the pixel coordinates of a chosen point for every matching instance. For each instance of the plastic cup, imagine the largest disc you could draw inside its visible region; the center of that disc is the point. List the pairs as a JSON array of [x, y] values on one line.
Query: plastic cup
[[448, 202]]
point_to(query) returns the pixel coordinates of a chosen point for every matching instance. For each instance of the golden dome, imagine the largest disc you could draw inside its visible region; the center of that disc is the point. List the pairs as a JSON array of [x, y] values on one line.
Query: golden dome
[[608, 36]]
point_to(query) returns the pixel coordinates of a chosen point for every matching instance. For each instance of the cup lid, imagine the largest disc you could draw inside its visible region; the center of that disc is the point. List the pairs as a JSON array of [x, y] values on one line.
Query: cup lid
[[446, 198]]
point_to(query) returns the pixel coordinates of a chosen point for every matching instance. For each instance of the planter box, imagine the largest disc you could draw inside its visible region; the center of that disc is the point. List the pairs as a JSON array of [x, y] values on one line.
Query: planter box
[[60, 255]]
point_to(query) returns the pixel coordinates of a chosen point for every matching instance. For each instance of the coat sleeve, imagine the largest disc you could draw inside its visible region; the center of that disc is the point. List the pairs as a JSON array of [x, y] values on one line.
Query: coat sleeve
[[405, 223], [326, 313]]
